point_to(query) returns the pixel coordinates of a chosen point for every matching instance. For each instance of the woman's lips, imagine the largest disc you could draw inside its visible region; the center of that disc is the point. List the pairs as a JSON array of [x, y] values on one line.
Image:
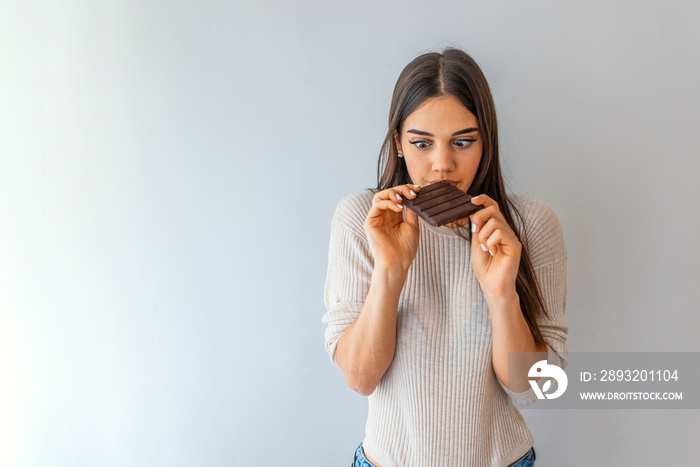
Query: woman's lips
[[440, 179]]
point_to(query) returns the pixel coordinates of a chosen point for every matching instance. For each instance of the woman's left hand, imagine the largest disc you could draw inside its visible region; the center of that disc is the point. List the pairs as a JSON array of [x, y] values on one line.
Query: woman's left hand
[[495, 250]]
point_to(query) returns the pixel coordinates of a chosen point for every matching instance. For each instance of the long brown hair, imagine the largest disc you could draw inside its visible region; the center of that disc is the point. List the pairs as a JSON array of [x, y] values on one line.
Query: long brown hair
[[454, 73]]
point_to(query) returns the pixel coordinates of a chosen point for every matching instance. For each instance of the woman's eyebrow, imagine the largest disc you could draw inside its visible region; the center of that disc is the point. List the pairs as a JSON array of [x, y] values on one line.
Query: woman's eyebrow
[[466, 130], [419, 132], [425, 133]]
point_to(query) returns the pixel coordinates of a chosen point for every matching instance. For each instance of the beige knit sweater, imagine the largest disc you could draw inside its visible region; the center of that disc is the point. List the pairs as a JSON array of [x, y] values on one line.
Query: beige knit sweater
[[440, 402]]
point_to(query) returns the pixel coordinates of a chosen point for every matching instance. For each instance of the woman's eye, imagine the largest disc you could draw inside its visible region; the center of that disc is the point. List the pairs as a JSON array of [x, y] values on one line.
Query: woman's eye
[[463, 143], [420, 144]]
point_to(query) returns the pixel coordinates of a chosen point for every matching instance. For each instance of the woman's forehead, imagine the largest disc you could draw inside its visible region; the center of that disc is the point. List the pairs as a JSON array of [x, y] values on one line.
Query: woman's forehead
[[444, 113]]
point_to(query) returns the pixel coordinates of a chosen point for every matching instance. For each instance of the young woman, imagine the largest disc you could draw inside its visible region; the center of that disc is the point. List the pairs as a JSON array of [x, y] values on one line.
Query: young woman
[[420, 318]]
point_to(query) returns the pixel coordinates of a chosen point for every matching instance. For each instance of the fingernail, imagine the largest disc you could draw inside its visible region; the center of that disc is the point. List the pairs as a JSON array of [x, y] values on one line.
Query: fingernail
[[475, 198], [417, 186], [397, 196], [411, 191], [400, 205], [473, 227], [483, 247], [491, 252]]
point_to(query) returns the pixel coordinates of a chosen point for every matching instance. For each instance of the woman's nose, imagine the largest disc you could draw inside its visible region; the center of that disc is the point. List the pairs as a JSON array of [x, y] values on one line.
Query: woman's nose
[[443, 160]]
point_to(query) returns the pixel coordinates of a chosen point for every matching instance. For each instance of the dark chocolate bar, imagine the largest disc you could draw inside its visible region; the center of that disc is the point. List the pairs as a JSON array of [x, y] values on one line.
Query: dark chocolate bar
[[442, 203]]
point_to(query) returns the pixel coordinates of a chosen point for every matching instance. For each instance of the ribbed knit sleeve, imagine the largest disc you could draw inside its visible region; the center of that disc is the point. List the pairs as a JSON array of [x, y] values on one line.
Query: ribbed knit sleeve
[[350, 265], [544, 237]]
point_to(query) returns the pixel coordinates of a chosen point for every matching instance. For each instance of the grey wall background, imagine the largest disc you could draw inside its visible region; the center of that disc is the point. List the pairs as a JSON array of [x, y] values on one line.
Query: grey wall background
[[168, 172]]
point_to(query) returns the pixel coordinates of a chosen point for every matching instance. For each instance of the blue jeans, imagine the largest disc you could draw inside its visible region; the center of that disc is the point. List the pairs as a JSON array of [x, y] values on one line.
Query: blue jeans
[[528, 460], [360, 459]]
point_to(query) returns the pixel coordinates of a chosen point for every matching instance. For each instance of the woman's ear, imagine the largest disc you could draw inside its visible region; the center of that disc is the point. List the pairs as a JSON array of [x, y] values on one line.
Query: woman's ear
[[397, 140]]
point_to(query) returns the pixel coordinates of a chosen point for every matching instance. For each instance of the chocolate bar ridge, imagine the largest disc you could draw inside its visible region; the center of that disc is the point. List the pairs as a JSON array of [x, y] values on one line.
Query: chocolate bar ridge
[[442, 203]]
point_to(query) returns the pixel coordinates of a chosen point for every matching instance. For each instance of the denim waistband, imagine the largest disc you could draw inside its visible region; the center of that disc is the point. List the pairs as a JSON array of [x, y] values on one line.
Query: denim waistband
[[360, 459], [528, 460]]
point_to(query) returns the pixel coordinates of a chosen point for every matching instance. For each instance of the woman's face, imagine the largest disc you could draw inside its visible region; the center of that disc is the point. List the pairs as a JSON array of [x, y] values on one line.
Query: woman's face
[[440, 140]]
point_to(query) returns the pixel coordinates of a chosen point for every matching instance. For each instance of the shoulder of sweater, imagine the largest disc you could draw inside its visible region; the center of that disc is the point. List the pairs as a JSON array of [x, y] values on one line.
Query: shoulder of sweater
[[533, 211], [352, 210], [541, 229]]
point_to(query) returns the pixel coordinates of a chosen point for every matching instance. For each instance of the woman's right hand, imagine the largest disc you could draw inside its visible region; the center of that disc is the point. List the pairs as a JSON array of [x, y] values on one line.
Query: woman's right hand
[[393, 240]]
